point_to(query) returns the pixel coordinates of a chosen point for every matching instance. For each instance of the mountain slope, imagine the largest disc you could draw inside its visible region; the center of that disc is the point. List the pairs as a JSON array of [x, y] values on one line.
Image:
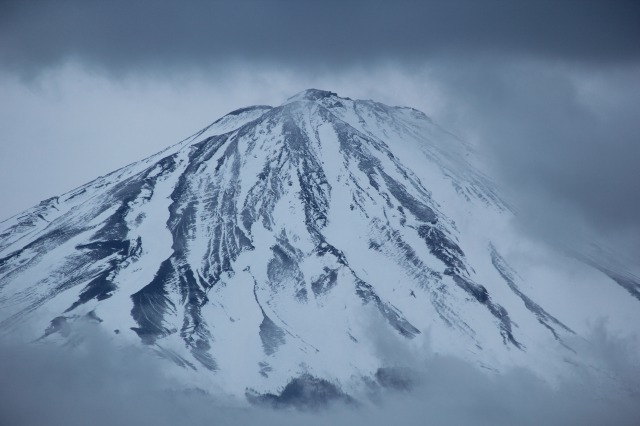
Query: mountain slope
[[282, 242]]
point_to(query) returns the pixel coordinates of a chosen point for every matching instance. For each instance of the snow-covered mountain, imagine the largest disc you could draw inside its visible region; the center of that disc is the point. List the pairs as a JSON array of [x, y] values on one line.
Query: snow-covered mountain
[[287, 244]]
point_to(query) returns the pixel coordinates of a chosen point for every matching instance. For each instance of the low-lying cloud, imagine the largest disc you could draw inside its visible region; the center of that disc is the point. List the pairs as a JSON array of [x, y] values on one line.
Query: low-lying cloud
[[98, 384]]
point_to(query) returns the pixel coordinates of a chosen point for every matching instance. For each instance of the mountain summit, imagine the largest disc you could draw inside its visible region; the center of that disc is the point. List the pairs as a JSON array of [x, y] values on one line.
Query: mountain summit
[[281, 245]]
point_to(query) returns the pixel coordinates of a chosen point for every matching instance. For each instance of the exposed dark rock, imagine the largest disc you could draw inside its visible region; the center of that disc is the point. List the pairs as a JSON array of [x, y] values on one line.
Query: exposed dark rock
[[305, 393], [397, 378]]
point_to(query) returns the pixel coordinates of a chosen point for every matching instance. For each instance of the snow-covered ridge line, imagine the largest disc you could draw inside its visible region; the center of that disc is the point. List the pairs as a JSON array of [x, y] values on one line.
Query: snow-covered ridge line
[[262, 249]]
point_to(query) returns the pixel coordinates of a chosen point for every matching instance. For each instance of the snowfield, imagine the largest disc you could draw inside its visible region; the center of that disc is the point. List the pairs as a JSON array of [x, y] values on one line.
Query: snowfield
[[280, 243]]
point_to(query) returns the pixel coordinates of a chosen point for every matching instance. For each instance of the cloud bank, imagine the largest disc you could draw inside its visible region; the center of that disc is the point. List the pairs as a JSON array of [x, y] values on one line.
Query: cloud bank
[[97, 383], [122, 36]]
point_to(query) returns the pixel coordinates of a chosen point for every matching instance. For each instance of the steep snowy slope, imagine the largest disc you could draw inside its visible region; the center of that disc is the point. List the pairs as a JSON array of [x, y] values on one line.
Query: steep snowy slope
[[282, 242]]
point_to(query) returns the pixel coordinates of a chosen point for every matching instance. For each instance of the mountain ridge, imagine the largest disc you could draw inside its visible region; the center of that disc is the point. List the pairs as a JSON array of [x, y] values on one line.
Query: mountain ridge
[[253, 250]]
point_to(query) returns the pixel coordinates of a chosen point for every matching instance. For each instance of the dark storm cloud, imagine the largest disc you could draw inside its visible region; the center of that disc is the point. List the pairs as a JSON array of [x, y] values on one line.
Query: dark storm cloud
[[121, 35]]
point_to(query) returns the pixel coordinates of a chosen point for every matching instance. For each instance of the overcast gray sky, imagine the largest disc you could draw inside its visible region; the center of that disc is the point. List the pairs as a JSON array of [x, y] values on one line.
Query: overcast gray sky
[[549, 91]]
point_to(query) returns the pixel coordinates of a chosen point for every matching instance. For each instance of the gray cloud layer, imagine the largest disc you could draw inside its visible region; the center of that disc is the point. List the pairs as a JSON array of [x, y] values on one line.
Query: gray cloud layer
[[98, 384], [122, 35], [565, 141]]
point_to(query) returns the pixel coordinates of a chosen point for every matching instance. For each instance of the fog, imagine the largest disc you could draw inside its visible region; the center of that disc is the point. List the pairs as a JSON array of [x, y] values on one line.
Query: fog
[[95, 383]]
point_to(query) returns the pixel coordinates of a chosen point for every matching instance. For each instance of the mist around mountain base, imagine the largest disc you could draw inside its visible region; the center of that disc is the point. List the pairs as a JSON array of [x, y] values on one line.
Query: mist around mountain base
[[92, 381]]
